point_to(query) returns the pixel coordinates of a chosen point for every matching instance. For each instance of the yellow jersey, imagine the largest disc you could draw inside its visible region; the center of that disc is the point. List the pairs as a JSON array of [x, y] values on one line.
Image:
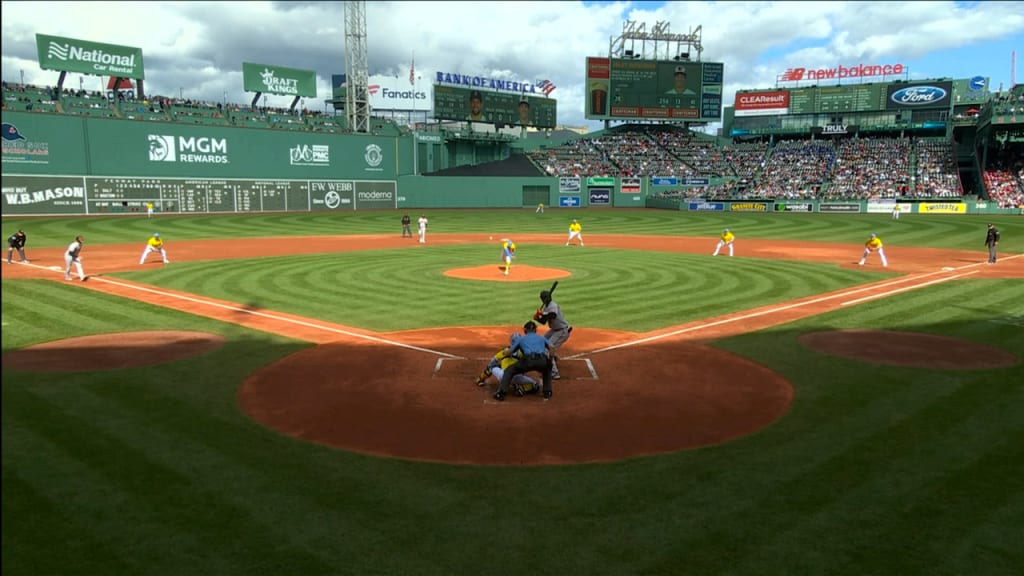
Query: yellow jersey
[[873, 243], [728, 237], [575, 227], [155, 242]]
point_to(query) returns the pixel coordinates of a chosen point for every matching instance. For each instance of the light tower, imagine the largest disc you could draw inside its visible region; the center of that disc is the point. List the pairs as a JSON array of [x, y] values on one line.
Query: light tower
[[357, 98]]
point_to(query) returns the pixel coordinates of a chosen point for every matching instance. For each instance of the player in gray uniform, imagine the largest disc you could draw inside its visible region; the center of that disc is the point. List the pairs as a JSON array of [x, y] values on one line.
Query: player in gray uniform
[[550, 313]]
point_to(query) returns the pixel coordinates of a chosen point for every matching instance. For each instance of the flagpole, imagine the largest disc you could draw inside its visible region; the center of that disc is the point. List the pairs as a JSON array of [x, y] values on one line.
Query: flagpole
[[412, 80]]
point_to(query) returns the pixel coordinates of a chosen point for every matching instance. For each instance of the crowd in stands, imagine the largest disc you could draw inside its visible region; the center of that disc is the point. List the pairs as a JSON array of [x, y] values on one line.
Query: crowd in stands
[[871, 167], [1004, 182], [848, 168], [936, 173], [124, 104]]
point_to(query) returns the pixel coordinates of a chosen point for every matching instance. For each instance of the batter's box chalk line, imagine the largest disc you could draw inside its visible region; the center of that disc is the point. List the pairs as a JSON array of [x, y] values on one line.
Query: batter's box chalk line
[[455, 364]]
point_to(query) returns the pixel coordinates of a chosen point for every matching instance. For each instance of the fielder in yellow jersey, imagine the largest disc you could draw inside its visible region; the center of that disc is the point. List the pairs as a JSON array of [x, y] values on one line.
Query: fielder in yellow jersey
[[154, 244], [725, 240], [874, 244], [575, 231], [508, 252]]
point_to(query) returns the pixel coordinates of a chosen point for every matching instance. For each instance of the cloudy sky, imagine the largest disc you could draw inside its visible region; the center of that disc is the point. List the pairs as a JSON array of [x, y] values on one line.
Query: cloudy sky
[[197, 48]]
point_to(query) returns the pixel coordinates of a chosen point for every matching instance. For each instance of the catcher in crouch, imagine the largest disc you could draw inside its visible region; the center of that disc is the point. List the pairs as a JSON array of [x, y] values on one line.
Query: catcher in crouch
[[503, 360]]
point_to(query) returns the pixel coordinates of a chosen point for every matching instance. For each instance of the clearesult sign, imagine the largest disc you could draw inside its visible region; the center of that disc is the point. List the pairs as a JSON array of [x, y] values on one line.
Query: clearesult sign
[[71, 55], [278, 80]]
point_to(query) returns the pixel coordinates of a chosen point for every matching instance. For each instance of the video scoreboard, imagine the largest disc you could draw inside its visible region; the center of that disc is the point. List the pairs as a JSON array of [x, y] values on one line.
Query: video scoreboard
[[631, 89], [503, 108]]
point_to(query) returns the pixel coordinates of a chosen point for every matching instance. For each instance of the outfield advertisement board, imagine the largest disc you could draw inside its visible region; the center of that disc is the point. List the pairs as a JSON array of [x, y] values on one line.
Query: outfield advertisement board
[[942, 208], [762, 103], [919, 95], [624, 89], [749, 206], [794, 207], [97, 58], [706, 206], [278, 80], [839, 208], [600, 196], [569, 185]]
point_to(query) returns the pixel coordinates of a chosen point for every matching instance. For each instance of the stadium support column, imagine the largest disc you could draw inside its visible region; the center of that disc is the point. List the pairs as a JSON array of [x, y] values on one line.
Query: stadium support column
[[358, 96]]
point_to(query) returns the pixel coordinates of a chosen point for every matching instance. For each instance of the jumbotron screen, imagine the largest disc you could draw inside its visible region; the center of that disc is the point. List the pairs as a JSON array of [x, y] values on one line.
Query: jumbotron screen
[[503, 108], [629, 89]]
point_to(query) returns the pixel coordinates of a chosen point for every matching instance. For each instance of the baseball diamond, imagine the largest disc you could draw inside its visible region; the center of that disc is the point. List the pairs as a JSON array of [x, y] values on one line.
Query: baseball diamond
[[273, 385]]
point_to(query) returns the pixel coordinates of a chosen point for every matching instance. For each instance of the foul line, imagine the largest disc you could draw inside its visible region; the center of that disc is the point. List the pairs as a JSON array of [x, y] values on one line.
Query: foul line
[[904, 289], [277, 318], [771, 310]]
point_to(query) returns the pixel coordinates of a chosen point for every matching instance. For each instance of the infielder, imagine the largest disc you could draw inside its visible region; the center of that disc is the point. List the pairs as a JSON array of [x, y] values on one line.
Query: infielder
[[16, 242], [508, 252], [725, 240], [154, 244], [423, 228], [550, 313], [574, 232], [71, 259], [874, 244], [504, 359]]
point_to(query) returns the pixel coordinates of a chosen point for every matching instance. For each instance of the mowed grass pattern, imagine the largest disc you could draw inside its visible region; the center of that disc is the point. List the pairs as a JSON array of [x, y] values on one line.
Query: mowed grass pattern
[[875, 469], [610, 289]]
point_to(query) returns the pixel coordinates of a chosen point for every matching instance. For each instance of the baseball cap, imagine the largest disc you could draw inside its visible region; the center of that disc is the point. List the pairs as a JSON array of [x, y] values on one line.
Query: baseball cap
[[475, 94], [156, 234], [726, 230], [573, 219], [681, 70], [873, 234]]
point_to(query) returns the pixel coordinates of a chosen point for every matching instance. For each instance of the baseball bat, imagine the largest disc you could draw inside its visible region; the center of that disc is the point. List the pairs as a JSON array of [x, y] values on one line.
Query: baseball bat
[[553, 286]]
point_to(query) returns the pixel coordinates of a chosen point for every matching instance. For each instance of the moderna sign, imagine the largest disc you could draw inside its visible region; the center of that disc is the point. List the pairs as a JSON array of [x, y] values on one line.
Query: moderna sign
[[856, 71]]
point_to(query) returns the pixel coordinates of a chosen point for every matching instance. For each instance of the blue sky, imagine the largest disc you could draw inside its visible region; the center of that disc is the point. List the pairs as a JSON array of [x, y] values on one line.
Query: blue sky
[[198, 47]]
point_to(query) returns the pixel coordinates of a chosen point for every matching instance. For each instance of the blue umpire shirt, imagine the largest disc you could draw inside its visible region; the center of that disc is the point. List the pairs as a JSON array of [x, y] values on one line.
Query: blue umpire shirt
[[531, 343]]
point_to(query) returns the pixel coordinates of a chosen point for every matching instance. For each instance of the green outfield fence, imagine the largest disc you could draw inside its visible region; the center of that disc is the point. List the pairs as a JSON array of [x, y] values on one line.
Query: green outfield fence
[[79, 165]]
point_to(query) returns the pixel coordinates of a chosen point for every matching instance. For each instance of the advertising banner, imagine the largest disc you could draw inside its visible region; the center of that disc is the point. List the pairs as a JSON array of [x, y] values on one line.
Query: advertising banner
[[600, 196], [695, 182], [569, 201], [278, 80], [569, 184], [749, 206], [395, 93], [664, 181], [601, 181], [794, 207], [762, 103], [918, 95], [43, 195], [630, 185], [706, 206], [942, 208], [71, 55], [376, 195], [843, 208]]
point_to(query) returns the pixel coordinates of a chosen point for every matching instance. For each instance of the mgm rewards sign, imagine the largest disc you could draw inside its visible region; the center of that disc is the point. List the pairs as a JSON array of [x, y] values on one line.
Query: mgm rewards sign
[[68, 54]]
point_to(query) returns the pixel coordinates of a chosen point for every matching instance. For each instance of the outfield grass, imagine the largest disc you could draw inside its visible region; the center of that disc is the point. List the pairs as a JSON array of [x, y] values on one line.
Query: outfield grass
[[875, 469]]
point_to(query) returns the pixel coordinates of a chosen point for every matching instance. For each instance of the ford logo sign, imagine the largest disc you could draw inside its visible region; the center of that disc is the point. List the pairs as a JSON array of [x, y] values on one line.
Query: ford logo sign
[[918, 95], [977, 83]]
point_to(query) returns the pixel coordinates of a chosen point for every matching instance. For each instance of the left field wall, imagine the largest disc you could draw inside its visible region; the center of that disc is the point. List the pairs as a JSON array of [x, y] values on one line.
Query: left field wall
[[57, 164]]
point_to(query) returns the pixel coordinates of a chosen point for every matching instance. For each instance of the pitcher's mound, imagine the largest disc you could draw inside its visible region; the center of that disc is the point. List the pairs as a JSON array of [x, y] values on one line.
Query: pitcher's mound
[[112, 351], [908, 349], [496, 272]]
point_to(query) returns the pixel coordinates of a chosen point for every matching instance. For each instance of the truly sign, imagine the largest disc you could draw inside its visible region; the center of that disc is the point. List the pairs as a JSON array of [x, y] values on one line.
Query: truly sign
[[71, 55]]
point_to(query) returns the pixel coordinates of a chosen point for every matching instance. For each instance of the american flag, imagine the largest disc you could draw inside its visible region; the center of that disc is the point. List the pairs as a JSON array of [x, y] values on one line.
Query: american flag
[[412, 70], [546, 87]]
